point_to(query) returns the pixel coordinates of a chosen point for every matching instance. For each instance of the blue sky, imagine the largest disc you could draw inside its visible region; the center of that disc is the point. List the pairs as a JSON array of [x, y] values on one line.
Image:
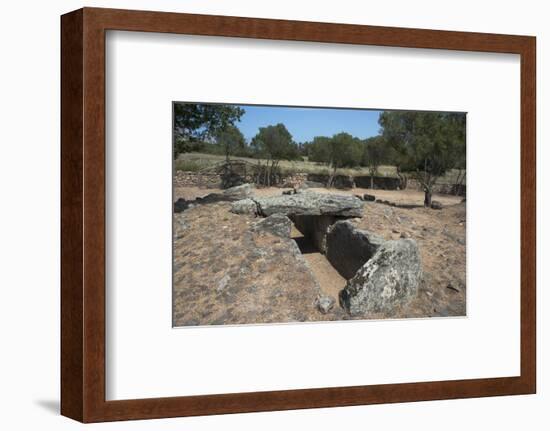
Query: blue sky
[[306, 123]]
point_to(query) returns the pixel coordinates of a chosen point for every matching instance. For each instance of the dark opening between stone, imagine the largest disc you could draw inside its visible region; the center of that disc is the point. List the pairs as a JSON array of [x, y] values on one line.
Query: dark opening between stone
[[346, 248]]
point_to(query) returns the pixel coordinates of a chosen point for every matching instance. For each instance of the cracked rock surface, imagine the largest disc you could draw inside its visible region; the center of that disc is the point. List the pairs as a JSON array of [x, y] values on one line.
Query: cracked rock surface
[[311, 203], [389, 279]]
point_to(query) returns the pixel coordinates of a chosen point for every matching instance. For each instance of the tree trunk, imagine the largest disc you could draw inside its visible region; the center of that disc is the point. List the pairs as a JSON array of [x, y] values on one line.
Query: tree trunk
[[331, 177], [458, 182], [427, 197], [371, 181], [402, 179]]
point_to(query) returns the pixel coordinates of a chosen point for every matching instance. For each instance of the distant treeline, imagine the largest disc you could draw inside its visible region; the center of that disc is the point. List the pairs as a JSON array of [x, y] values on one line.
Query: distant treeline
[[422, 145]]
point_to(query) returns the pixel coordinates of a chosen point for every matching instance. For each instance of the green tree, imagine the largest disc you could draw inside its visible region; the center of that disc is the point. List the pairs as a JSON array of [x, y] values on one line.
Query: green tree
[[196, 122], [231, 141], [375, 153], [319, 149], [459, 158], [425, 144], [339, 151], [273, 143]]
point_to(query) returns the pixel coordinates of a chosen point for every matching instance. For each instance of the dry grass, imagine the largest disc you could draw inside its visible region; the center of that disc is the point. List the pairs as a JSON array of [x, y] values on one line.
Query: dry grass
[[197, 161]]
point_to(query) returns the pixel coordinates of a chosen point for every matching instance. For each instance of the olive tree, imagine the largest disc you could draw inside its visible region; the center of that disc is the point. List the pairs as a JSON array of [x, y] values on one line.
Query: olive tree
[[375, 153], [273, 143], [425, 144], [231, 141], [339, 151]]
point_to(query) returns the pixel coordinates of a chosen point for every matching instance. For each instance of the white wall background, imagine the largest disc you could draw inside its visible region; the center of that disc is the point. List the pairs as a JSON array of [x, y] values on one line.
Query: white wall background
[[29, 220]]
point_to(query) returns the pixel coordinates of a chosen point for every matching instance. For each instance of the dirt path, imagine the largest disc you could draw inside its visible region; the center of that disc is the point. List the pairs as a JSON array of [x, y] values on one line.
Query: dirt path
[[330, 281]]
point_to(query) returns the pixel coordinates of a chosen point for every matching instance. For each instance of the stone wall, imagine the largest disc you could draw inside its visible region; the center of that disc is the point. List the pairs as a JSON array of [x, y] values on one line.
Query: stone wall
[[294, 180], [212, 180], [445, 189], [339, 181], [380, 183], [194, 179]]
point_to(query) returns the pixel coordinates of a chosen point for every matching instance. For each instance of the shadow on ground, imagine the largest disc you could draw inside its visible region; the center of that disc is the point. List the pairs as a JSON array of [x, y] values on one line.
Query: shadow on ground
[[51, 406]]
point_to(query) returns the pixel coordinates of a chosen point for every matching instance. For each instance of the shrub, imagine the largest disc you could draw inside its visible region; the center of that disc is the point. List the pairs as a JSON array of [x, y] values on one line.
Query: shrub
[[187, 165]]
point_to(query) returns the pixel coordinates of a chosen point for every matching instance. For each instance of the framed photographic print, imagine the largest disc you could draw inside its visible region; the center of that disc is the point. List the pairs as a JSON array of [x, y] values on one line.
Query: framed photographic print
[[266, 215]]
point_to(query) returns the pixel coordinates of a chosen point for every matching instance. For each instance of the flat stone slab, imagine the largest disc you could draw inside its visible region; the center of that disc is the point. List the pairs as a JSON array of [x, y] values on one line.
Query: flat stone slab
[[311, 203]]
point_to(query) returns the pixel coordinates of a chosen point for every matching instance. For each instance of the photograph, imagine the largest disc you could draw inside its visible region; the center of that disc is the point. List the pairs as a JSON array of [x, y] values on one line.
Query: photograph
[[286, 214]]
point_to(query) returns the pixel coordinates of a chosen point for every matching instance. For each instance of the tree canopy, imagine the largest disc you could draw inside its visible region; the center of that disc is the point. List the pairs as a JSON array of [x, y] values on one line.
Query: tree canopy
[[376, 152], [426, 144], [274, 143], [231, 141], [338, 151], [197, 122]]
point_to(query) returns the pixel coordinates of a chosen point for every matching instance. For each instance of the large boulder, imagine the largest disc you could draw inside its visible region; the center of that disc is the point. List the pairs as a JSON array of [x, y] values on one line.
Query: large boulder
[[276, 224], [244, 206], [311, 203], [390, 278], [239, 192], [349, 248]]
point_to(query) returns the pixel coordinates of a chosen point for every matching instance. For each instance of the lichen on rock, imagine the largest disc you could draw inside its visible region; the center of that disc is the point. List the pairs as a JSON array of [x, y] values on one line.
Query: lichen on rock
[[389, 279]]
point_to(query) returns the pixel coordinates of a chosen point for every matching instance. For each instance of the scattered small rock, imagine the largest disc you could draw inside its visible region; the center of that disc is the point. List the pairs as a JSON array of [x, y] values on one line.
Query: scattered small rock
[[325, 303], [436, 205], [369, 198], [451, 287], [222, 284]]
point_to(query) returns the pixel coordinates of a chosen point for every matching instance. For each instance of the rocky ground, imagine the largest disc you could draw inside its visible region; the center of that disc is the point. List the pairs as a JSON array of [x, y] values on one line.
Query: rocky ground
[[226, 271]]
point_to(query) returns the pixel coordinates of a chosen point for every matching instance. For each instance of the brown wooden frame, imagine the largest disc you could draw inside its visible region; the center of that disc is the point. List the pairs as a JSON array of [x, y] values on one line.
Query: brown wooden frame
[[83, 214]]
